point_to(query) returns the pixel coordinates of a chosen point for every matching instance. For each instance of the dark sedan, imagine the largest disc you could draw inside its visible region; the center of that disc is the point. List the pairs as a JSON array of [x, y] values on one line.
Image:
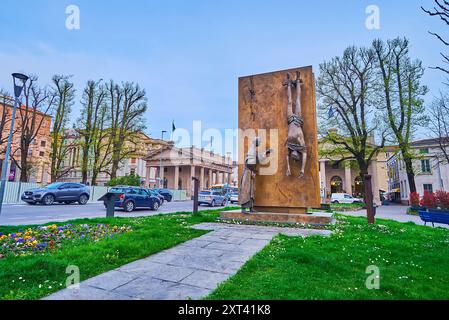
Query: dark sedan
[[167, 194], [135, 197], [61, 192]]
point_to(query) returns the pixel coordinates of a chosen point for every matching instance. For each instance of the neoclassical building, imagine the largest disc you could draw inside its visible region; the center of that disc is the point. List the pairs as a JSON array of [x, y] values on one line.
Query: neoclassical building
[[344, 177], [173, 168]]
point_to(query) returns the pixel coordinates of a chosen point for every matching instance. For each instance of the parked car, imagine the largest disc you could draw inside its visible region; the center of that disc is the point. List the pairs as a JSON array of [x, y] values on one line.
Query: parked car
[[158, 195], [168, 195], [212, 198], [135, 197], [234, 197], [61, 192], [344, 198]]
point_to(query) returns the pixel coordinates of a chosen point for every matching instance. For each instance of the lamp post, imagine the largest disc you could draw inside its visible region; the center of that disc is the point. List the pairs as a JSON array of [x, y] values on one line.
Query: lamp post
[[229, 167], [19, 83], [160, 163]]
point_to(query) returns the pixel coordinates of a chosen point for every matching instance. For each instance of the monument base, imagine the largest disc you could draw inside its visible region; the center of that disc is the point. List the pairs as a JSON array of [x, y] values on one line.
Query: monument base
[[316, 218]]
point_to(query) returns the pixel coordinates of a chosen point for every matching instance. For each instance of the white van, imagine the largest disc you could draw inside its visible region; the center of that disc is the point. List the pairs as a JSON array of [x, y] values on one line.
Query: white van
[[344, 198]]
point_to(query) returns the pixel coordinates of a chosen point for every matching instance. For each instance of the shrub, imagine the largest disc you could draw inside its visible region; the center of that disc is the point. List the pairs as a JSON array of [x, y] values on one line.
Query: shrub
[[429, 200], [442, 199], [414, 199], [130, 180]]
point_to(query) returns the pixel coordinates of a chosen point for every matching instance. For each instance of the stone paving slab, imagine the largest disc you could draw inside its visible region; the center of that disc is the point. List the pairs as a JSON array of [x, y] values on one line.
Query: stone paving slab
[[190, 270]]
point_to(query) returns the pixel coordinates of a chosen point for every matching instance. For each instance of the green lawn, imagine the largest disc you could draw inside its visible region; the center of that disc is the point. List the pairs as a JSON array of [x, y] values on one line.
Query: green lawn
[[37, 275], [413, 262]]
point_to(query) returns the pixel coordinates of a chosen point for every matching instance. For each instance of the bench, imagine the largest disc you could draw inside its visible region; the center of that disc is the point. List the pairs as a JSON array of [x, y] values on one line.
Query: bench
[[434, 216]]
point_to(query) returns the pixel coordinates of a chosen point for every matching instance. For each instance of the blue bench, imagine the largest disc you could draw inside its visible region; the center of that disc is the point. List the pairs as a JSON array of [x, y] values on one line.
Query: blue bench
[[434, 216]]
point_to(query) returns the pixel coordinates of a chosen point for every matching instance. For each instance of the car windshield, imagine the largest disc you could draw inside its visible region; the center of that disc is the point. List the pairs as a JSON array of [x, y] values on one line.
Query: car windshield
[[54, 185]]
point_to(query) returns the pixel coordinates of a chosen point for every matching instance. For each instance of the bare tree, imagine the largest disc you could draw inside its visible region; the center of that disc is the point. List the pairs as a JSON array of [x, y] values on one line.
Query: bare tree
[[127, 103], [87, 124], [5, 102], [37, 103], [401, 96], [439, 125], [441, 10], [346, 85], [64, 93]]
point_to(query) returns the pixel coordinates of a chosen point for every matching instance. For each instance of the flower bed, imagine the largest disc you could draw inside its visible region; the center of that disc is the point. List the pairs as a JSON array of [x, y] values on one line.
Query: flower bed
[[46, 238]]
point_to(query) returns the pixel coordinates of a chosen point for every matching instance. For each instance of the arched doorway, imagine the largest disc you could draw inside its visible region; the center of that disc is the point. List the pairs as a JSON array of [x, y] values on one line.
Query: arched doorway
[[358, 187], [336, 185]]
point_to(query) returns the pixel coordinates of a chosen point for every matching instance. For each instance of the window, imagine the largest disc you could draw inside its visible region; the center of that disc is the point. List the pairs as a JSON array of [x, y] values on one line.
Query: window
[[41, 153], [428, 188], [133, 171], [133, 160], [43, 143], [425, 166], [424, 150]]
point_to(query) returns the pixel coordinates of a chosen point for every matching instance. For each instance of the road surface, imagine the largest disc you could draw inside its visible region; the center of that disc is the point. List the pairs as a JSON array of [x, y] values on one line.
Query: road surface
[[39, 214]]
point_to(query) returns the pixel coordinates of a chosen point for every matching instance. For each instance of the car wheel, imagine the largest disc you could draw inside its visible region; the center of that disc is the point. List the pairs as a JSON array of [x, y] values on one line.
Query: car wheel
[[129, 206], [83, 199], [48, 200], [336, 201], [212, 204], [155, 206], [223, 204]]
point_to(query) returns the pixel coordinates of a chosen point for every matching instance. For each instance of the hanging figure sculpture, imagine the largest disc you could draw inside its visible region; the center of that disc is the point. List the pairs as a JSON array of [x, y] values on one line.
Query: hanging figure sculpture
[[247, 182], [295, 143]]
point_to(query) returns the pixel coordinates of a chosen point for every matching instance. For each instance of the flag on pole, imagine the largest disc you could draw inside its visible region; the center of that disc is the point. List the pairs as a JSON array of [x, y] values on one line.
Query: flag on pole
[[173, 127]]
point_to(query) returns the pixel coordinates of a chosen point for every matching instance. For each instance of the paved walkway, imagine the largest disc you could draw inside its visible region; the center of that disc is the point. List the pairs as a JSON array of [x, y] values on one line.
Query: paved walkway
[[188, 271]]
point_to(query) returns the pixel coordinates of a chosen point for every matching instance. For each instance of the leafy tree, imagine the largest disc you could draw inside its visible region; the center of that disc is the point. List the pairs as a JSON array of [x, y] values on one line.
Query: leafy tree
[[92, 102], [127, 104], [401, 95], [346, 86], [64, 93], [129, 180]]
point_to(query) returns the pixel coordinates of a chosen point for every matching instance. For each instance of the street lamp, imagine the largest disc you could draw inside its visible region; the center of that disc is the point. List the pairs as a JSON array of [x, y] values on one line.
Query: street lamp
[[19, 83], [229, 167], [160, 163]]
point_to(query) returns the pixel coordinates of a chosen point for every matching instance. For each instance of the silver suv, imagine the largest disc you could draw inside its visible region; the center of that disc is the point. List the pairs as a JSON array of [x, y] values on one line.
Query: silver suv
[[61, 192], [212, 198]]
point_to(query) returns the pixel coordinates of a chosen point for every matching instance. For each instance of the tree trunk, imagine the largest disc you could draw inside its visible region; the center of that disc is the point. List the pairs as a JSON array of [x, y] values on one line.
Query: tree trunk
[[94, 177], [410, 173], [23, 165]]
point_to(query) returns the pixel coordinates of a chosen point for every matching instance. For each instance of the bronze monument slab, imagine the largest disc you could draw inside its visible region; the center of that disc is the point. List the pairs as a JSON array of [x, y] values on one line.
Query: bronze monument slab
[[266, 102]]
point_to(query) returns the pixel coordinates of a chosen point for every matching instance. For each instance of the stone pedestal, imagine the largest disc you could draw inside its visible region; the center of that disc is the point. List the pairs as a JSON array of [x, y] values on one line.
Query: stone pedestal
[[318, 218]]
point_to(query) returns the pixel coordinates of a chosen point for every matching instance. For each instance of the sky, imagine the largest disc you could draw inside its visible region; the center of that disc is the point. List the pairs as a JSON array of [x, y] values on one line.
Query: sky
[[188, 55]]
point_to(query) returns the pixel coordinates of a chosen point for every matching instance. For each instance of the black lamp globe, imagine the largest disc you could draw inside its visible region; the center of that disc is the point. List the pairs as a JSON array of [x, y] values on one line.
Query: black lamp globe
[[19, 82]]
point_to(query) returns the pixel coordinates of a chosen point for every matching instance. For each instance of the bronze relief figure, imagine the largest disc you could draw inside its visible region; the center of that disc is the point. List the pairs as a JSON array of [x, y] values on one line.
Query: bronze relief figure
[[297, 149], [247, 182]]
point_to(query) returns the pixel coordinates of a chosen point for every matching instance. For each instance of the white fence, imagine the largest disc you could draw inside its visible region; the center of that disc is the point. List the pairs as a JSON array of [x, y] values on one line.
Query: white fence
[[14, 190]]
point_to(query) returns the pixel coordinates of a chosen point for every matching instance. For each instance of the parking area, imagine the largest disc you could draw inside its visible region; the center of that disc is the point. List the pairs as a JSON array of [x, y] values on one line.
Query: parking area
[[39, 214]]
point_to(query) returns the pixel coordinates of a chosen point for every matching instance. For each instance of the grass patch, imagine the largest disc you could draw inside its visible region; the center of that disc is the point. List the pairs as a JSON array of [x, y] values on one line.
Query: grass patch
[[413, 262], [347, 206], [40, 274]]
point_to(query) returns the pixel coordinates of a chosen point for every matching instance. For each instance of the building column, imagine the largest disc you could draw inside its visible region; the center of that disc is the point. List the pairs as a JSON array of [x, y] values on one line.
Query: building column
[[192, 174], [161, 177], [323, 179], [348, 178], [210, 177], [176, 183], [147, 177], [202, 178]]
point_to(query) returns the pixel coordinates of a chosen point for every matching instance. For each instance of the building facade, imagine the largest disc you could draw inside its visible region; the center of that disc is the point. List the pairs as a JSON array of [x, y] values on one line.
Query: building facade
[[133, 164], [40, 148], [173, 168], [431, 174], [338, 176]]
